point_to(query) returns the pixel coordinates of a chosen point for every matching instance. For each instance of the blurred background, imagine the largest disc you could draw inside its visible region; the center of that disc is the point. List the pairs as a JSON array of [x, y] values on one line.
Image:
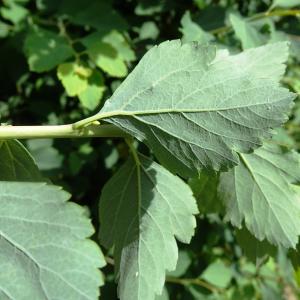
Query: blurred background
[[61, 59]]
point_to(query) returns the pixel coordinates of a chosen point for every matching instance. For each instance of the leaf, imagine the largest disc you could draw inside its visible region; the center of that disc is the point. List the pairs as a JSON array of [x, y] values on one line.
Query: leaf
[[16, 163], [148, 30], [205, 189], [117, 40], [109, 52], [45, 50], [47, 157], [254, 249], [4, 29], [217, 274], [285, 3], [259, 191], [140, 219], [183, 263], [72, 80], [13, 12], [246, 32], [43, 245], [195, 108], [97, 14], [191, 31], [91, 96]]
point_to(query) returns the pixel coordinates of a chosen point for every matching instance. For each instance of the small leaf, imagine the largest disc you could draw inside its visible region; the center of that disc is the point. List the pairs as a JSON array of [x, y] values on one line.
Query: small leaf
[[259, 191], [72, 80], [196, 108], [91, 96], [45, 50], [106, 55], [246, 32], [217, 274], [43, 244], [16, 163], [13, 12], [141, 219]]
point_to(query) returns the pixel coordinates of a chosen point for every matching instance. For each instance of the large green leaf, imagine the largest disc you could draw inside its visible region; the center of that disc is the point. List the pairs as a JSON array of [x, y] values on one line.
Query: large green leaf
[[142, 209], [259, 192], [43, 245], [196, 107], [16, 163], [45, 50]]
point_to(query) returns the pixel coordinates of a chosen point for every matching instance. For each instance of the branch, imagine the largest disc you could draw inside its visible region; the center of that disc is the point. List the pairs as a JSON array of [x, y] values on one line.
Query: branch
[[267, 14], [195, 281], [59, 131]]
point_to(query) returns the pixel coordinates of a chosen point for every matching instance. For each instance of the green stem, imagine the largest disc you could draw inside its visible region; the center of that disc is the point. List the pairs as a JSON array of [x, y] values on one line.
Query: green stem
[[59, 131], [82, 123], [267, 14], [195, 281]]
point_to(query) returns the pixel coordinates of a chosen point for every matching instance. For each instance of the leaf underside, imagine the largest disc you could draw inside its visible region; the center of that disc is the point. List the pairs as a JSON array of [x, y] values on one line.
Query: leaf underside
[[196, 108], [141, 219], [44, 250], [259, 191]]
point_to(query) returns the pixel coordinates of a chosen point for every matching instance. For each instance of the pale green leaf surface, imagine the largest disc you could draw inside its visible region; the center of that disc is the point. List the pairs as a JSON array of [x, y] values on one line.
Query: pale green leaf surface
[[104, 51], [107, 59], [218, 274], [259, 192], [13, 12], [43, 245], [46, 156], [195, 108], [248, 35], [73, 82], [16, 163], [191, 31], [92, 95], [4, 29], [141, 218], [148, 30], [163, 296], [118, 41], [183, 263], [285, 3], [45, 50]]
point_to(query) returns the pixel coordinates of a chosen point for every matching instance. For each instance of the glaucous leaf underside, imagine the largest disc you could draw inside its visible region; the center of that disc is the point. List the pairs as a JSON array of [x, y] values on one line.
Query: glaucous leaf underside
[[196, 107]]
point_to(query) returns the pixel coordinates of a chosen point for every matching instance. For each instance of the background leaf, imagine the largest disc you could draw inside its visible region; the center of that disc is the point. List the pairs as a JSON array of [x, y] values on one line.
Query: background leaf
[[45, 50], [141, 221], [259, 191], [16, 163]]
